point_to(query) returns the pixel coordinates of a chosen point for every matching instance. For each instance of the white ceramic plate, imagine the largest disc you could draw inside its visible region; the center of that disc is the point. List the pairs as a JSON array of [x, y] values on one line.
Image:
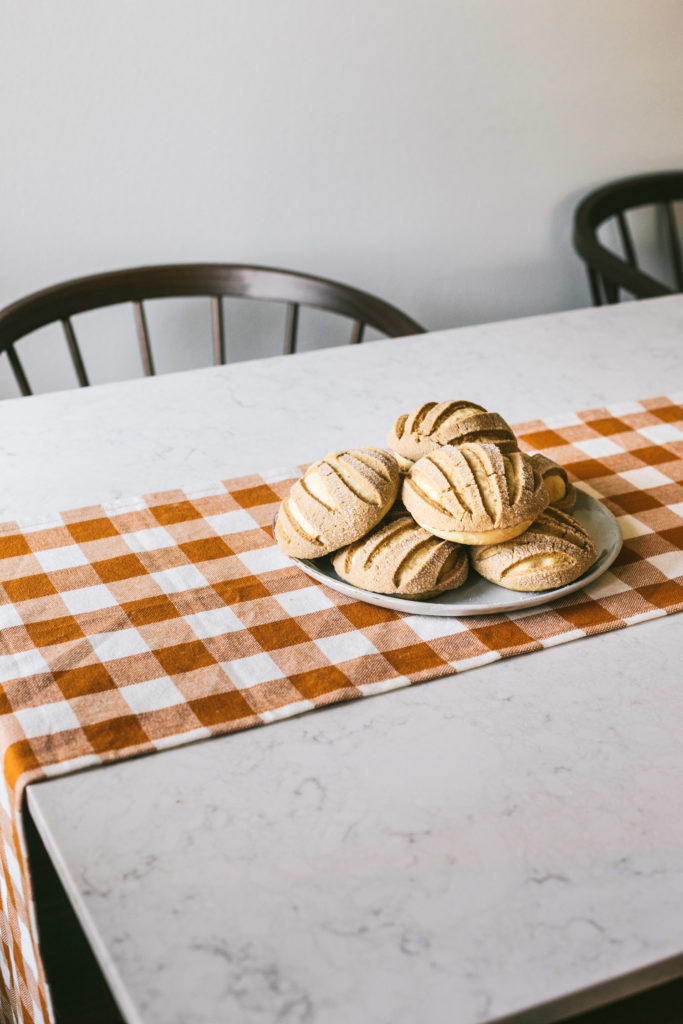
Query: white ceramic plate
[[477, 596]]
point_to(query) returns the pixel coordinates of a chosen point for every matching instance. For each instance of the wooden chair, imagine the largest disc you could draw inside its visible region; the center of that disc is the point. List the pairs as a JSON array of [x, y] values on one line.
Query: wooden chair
[[214, 280], [609, 272]]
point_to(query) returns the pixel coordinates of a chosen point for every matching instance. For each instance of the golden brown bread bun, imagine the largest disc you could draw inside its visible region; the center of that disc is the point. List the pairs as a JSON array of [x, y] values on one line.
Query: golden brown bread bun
[[474, 494], [337, 501], [403, 463], [561, 492], [399, 557], [434, 424], [555, 550]]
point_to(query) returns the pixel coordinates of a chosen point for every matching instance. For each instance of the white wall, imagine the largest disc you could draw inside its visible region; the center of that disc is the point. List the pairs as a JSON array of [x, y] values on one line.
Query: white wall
[[429, 152]]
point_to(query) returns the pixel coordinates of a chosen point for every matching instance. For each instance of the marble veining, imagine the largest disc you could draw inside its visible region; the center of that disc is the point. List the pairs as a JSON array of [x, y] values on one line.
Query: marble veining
[[459, 851], [456, 851]]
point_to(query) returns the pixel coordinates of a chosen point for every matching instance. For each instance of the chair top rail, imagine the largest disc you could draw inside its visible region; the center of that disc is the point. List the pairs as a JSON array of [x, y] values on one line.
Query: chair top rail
[[205, 279]]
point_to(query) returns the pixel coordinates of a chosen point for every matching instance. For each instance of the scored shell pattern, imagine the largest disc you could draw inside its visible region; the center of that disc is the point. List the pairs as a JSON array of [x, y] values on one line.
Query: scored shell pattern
[[338, 500], [555, 550], [399, 557], [473, 488], [561, 492], [434, 424]]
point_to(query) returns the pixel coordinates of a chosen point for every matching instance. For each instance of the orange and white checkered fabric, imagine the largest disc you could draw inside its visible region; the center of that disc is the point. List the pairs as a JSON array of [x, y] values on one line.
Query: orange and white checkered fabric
[[133, 628]]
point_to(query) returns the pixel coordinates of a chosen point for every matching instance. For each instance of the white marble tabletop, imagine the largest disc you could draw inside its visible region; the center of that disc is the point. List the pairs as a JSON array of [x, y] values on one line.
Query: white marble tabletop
[[504, 843]]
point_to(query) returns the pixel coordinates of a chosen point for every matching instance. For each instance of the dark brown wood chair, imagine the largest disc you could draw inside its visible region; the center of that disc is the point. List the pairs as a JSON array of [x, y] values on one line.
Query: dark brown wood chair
[[609, 272], [214, 280]]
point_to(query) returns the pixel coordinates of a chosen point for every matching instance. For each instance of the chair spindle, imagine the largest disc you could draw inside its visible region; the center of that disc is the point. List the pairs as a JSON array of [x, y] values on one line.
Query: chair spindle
[[75, 353], [674, 245], [218, 330], [18, 371], [626, 240], [143, 338], [611, 290], [291, 328], [594, 282], [357, 332]]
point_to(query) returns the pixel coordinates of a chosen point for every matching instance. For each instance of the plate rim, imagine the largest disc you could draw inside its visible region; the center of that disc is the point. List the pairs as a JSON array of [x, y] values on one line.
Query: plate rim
[[531, 599]]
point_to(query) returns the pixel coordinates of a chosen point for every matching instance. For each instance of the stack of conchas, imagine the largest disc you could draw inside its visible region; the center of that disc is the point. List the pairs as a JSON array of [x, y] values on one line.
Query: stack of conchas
[[401, 521]]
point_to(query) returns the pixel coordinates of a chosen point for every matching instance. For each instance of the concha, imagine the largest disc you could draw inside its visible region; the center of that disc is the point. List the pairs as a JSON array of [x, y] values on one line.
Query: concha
[[338, 500]]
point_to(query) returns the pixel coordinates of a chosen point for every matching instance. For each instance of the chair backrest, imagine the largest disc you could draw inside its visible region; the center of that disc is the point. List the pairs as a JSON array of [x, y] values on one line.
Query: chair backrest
[[608, 272], [213, 280]]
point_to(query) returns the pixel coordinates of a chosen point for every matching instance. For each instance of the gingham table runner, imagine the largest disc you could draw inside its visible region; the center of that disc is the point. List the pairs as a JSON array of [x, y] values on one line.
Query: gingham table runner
[[137, 627]]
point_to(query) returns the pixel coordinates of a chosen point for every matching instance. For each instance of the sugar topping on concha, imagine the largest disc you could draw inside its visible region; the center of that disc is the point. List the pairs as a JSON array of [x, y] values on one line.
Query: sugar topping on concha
[[399, 557], [338, 500], [473, 493], [561, 492], [433, 424], [555, 550]]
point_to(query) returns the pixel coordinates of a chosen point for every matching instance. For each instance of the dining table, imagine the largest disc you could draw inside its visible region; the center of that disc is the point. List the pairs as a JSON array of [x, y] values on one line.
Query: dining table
[[503, 844]]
